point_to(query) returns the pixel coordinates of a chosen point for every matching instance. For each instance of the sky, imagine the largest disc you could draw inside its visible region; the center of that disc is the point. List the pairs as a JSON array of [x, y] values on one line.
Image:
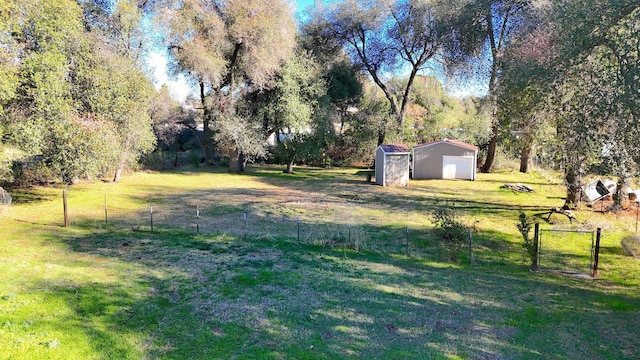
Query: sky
[[179, 88]]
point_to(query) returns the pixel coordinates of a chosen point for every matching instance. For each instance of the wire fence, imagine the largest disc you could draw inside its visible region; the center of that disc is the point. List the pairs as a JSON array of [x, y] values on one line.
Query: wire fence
[[570, 251], [250, 220]]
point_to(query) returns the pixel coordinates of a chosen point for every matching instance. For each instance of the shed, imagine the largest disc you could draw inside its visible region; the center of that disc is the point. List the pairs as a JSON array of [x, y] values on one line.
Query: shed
[[392, 165], [445, 159]]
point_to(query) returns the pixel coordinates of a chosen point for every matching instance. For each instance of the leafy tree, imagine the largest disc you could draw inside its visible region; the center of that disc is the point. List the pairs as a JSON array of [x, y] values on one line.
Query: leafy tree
[[433, 115], [581, 85], [482, 30], [382, 36], [9, 22], [228, 48], [522, 92], [168, 118], [120, 94], [78, 106], [289, 106]]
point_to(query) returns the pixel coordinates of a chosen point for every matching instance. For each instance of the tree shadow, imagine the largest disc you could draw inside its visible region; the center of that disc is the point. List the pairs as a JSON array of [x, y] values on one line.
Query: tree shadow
[[254, 290], [225, 296]]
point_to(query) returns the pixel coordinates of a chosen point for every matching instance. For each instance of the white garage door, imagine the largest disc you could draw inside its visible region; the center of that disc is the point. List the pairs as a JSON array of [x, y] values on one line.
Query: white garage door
[[457, 167]]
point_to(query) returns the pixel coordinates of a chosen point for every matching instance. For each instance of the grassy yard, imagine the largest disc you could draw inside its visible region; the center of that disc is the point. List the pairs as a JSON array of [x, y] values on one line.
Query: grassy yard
[[364, 275]]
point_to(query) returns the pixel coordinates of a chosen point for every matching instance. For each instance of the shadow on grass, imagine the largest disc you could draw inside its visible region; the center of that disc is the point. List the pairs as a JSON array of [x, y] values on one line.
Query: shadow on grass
[[257, 292], [225, 297], [30, 196]]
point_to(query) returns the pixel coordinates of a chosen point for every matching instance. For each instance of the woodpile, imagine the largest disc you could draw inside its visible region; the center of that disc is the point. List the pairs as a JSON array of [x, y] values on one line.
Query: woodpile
[[517, 187]]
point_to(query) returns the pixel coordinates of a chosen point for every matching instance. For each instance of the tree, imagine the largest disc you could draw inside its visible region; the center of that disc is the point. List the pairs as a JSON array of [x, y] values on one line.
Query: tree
[[78, 108], [228, 48], [9, 22], [522, 91], [168, 118], [289, 106], [481, 31], [382, 36], [121, 95], [585, 84]]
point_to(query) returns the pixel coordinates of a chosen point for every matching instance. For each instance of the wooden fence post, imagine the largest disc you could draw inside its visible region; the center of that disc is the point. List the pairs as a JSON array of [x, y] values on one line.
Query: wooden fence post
[[64, 204], [596, 254], [106, 213]]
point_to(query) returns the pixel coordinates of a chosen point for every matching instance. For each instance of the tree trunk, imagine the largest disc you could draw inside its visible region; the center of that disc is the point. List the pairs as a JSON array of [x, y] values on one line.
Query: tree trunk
[[236, 162], [621, 197], [493, 79], [289, 169], [206, 139], [525, 158], [382, 134], [118, 174], [491, 151], [574, 188]]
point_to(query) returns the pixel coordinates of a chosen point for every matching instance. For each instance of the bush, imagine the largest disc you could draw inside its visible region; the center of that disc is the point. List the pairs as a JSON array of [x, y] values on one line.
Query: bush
[[453, 232], [524, 226]]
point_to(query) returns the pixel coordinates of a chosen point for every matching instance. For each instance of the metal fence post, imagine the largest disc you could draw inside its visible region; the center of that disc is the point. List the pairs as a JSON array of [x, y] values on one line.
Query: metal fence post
[[151, 215]]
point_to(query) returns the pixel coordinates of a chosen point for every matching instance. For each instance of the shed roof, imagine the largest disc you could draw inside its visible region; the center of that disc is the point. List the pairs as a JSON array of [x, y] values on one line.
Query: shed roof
[[452, 142], [398, 148]]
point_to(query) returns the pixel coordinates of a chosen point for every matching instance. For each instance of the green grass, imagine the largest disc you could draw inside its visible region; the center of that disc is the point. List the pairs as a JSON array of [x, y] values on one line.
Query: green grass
[[257, 291]]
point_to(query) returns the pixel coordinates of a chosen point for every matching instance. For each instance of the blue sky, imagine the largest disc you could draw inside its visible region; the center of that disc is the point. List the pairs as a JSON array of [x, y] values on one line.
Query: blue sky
[[180, 89]]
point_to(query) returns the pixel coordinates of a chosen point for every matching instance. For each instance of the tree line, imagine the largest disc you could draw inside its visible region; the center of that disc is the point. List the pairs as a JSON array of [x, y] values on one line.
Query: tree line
[[560, 82]]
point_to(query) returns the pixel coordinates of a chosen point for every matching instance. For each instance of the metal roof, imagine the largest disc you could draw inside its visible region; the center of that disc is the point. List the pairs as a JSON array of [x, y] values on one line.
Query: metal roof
[[452, 142], [397, 148]]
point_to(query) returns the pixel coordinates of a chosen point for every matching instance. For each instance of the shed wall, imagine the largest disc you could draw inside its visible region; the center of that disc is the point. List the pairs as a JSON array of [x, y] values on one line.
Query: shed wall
[[397, 170], [427, 160], [379, 166]]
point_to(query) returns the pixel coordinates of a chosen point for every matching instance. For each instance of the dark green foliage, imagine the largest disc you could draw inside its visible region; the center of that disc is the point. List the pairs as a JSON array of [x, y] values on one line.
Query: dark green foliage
[[453, 232]]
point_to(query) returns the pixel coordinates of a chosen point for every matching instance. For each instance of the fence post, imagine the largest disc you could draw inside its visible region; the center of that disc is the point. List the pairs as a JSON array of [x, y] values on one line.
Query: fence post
[[470, 249], [536, 244], [597, 253], [298, 229], [64, 205], [197, 218], [106, 214], [151, 215], [406, 240]]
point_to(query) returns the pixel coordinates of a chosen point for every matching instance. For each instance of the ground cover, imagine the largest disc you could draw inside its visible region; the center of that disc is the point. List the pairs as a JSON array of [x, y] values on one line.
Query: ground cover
[[350, 286]]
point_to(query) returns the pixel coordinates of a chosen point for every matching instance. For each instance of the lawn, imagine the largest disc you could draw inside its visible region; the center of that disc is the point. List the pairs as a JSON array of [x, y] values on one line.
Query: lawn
[[315, 265]]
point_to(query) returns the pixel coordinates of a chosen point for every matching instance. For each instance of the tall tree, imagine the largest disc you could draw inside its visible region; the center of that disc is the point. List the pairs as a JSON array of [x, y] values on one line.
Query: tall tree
[[228, 48], [382, 36], [586, 84], [288, 107], [481, 31], [78, 106], [522, 91]]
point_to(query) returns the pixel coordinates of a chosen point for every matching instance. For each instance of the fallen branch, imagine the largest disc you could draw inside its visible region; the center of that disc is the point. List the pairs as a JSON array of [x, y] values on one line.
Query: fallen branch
[[567, 213]]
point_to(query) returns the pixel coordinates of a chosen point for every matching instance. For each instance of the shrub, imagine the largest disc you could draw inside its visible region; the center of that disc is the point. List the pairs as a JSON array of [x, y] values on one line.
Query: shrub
[[524, 226], [453, 232]]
